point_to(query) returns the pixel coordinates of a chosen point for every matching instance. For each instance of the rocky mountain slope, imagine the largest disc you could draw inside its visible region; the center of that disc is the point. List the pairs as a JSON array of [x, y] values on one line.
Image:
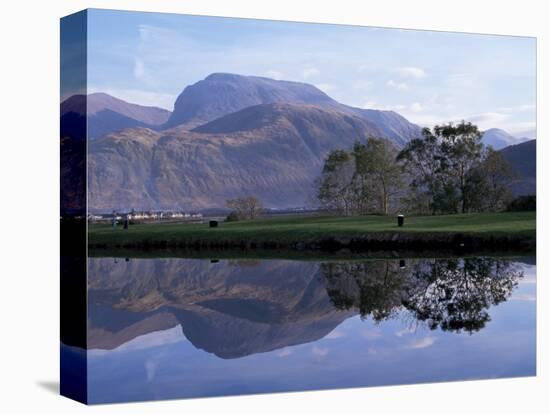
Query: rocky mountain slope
[[272, 151]]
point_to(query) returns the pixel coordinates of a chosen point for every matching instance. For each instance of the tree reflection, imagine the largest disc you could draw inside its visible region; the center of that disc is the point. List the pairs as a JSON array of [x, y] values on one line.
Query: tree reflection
[[449, 294]]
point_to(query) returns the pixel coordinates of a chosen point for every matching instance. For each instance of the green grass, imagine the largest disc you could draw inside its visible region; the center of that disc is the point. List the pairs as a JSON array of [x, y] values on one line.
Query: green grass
[[307, 228]]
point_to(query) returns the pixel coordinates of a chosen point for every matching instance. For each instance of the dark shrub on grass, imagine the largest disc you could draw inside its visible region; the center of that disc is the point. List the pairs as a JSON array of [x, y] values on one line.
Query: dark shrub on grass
[[523, 203], [233, 216]]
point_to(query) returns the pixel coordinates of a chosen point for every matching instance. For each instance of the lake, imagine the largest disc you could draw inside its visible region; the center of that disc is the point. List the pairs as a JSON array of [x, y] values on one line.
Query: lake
[[174, 328]]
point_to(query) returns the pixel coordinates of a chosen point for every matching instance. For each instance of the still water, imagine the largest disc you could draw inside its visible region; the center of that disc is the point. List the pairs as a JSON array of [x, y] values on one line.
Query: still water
[[175, 328]]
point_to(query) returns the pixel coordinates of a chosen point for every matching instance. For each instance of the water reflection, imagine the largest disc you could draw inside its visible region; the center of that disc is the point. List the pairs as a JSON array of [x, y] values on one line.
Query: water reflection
[[450, 294], [276, 325]]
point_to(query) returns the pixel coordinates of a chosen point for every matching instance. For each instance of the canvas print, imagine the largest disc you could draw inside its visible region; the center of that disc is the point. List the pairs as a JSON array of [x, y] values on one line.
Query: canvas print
[[253, 206]]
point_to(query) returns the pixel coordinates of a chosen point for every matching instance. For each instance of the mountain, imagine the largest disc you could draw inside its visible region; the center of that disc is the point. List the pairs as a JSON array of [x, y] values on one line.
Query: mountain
[[273, 151], [523, 158], [220, 94], [107, 114], [498, 138], [223, 93]]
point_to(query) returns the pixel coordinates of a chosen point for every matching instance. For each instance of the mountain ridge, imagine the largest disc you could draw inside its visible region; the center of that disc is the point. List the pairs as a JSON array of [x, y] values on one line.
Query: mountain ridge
[[106, 113]]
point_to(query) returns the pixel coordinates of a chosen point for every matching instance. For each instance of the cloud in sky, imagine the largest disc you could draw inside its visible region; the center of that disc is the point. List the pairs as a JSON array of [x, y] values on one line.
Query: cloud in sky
[[325, 87], [158, 55], [411, 72], [362, 84], [422, 343], [402, 86], [372, 333], [310, 72], [162, 100], [319, 351], [139, 69], [274, 74], [335, 334], [284, 352]]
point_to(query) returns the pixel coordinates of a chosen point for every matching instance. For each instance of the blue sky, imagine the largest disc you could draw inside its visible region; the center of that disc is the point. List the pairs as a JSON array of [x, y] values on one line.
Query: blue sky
[[429, 77]]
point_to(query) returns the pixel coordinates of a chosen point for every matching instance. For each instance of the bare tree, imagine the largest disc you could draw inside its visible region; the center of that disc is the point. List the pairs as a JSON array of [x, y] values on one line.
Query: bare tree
[[245, 207]]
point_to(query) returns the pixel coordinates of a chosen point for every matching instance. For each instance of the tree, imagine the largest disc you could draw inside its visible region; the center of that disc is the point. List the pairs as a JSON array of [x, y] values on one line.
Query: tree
[[335, 189], [442, 165], [376, 168], [360, 181], [497, 173], [244, 208], [461, 148], [424, 161]]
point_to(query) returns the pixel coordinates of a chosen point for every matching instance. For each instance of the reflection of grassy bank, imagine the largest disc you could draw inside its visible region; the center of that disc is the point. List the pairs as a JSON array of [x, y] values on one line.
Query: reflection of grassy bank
[[465, 232], [303, 255]]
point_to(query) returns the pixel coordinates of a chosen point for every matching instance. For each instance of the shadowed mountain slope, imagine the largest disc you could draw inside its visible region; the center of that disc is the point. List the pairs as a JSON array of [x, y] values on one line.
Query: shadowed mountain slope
[[523, 158]]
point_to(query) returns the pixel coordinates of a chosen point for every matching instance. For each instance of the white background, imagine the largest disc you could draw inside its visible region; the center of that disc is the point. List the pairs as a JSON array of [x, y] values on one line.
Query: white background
[[29, 108]]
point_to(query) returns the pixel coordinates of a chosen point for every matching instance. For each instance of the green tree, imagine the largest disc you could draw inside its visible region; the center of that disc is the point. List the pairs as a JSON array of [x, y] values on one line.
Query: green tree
[[335, 188], [423, 160], [462, 149], [378, 172], [442, 166]]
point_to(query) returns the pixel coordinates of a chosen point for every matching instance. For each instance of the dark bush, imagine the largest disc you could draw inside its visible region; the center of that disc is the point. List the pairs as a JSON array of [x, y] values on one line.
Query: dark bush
[[233, 216], [523, 203]]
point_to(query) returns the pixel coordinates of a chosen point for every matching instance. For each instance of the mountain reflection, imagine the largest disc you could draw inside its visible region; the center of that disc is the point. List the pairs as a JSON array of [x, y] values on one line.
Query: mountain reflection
[[238, 308]]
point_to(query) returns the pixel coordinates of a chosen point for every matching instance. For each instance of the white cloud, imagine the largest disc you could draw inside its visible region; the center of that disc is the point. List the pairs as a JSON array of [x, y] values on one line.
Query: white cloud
[[525, 297], [372, 334], [422, 343], [150, 369], [320, 352], [397, 85], [411, 72], [285, 352], [405, 331], [369, 104], [139, 69], [335, 334], [413, 108], [325, 87], [362, 84], [518, 108], [275, 74], [416, 107], [146, 98], [310, 72], [488, 118]]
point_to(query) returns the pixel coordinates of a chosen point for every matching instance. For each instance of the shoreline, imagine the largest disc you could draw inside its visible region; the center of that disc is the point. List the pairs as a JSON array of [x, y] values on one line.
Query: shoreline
[[392, 243], [324, 234]]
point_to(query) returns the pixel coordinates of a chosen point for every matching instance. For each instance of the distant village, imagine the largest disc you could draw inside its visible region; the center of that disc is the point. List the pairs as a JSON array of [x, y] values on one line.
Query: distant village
[[145, 216]]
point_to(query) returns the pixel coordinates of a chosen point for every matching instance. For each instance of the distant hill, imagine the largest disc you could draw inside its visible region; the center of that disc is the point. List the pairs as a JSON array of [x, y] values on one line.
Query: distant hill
[[498, 138], [107, 114], [272, 151], [523, 158]]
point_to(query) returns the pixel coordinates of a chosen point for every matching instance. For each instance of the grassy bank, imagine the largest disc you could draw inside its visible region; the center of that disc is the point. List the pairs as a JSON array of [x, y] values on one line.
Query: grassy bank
[[465, 231]]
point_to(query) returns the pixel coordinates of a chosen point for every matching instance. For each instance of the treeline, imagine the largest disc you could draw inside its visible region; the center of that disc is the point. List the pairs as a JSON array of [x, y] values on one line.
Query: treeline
[[446, 170]]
